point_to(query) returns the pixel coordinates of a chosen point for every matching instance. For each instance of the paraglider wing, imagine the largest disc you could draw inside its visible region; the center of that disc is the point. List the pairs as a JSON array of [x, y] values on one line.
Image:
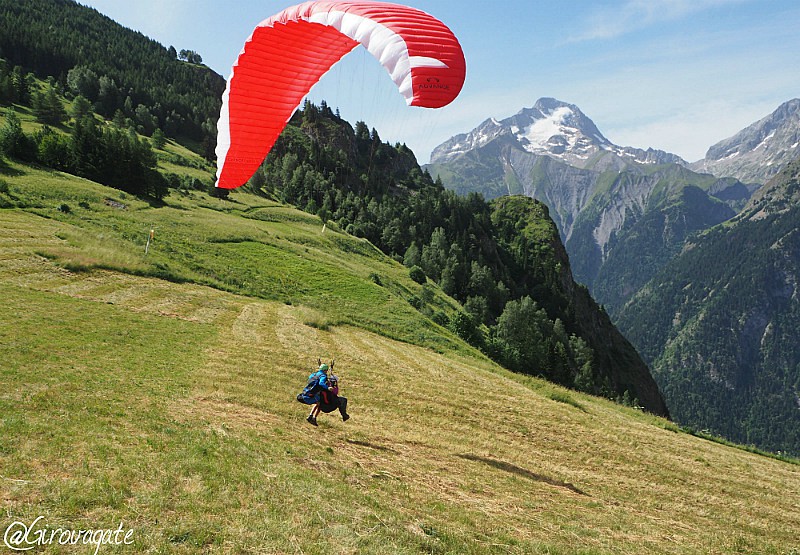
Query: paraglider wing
[[289, 52]]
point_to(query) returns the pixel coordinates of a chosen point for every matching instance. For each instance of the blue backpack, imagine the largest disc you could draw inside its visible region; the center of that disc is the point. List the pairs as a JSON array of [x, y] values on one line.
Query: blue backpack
[[311, 389]]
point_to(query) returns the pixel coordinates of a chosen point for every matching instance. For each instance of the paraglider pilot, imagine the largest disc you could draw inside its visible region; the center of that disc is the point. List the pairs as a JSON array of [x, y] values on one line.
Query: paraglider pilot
[[322, 391]]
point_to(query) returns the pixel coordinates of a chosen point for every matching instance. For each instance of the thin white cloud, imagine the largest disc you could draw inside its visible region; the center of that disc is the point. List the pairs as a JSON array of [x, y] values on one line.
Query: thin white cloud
[[691, 131], [634, 15]]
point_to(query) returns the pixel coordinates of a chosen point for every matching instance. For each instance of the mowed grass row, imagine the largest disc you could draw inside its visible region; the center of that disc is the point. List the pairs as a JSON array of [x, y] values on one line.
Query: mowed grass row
[[170, 407], [246, 245]]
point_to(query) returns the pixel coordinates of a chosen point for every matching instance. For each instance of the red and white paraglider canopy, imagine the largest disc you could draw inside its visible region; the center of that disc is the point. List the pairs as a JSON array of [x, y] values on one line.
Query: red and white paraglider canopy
[[289, 52]]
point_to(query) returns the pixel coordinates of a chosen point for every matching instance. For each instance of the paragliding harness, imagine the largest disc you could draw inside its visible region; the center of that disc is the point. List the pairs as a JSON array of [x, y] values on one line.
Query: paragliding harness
[[330, 400], [312, 387], [327, 397]]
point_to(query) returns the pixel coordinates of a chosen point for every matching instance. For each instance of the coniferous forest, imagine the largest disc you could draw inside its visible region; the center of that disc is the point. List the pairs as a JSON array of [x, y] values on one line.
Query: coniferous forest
[[115, 69], [76, 141]]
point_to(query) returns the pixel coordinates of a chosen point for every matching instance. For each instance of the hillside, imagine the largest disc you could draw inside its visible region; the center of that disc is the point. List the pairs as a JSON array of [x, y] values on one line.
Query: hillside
[[477, 252], [168, 404], [719, 324], [524, 227]]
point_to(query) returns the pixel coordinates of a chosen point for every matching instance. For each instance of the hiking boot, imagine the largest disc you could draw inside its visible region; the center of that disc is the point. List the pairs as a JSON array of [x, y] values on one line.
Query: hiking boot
[[311, 420], [345, 417]]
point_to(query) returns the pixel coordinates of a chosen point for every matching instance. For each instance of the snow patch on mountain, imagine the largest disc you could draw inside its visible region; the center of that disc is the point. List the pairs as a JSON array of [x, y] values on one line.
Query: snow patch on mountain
[[539, 132]]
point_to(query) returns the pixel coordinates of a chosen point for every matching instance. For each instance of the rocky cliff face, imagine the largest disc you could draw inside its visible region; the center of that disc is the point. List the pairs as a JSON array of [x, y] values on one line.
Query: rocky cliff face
[[759, 151]]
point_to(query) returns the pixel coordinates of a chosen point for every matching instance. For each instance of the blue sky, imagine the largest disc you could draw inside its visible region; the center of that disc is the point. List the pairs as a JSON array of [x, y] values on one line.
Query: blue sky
[[678, 75]]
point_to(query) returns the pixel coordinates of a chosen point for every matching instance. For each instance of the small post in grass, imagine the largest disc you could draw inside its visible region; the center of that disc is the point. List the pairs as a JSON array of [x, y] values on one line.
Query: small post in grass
[[149, 238]]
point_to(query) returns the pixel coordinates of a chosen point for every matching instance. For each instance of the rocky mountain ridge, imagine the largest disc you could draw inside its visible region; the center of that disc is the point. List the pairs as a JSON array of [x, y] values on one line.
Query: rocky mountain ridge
[[759, 151]]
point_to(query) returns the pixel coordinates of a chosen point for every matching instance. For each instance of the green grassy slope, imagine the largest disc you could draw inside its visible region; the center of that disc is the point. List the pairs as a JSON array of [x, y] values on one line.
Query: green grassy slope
[[158, 391]]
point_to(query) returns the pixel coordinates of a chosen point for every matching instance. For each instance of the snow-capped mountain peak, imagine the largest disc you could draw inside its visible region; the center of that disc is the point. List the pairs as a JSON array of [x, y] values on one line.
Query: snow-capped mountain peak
[[550, 128], [465, 142], [555, 128]]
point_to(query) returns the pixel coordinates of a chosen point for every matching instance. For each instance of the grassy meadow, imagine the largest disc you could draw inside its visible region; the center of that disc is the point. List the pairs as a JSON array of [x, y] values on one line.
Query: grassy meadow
[[157, 390]]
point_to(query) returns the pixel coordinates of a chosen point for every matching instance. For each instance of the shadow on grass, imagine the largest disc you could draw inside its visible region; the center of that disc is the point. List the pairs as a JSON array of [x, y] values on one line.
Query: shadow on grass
[[7, 170], [513, 469], [562, 397], [153, 202]]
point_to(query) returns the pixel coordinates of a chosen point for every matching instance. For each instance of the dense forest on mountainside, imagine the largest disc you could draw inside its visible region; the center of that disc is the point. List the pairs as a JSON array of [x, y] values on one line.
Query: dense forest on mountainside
[[114, 68], [719, 324], [77, 140]]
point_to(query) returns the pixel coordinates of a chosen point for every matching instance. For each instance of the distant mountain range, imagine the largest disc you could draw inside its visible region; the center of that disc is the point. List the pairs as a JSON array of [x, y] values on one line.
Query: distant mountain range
[[562, 132], [641, 230], [603, 197], [555, 129]]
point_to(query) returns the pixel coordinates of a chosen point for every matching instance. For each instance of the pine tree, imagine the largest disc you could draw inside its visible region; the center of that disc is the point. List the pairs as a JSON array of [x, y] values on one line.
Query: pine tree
[[13, 141], [48, 108]]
